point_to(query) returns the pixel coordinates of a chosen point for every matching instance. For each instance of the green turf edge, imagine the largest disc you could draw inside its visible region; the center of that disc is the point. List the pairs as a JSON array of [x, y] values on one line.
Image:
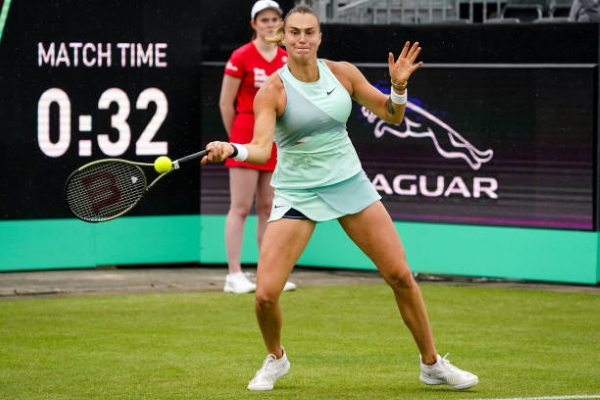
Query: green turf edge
[[481, 251]]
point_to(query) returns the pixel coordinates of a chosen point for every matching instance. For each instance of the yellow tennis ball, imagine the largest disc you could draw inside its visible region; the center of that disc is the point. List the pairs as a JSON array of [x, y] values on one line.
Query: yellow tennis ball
[[163, 164]]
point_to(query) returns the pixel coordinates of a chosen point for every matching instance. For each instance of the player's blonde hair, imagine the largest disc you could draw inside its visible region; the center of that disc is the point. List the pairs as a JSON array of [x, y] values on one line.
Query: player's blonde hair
[[301, 9]]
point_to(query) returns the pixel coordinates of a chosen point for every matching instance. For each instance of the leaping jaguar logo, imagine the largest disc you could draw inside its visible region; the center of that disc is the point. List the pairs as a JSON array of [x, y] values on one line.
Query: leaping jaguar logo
[[448, 142]]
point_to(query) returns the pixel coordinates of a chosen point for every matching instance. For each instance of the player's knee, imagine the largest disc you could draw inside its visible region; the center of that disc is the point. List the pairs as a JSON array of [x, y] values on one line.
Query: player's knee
[[264, 300], [400, 278]]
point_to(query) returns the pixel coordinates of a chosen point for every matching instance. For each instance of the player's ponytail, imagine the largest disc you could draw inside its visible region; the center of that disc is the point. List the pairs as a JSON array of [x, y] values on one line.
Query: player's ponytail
[[277, 37], [301, 9]]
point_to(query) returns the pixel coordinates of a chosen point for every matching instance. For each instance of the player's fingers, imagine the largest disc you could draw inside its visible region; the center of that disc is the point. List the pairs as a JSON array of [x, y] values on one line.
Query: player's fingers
[[215, 152], [413, 52], [405, 50]]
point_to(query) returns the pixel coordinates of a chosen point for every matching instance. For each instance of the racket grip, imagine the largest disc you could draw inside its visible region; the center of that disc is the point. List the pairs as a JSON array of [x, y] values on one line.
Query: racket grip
[[189, 158]]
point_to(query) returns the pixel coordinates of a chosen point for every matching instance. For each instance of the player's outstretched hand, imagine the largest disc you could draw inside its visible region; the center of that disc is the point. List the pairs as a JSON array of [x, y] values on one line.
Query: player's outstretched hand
[[402, 68]]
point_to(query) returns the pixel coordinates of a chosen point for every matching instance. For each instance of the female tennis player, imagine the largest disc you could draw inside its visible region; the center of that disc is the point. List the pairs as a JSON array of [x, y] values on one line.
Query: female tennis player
[[319, 177]]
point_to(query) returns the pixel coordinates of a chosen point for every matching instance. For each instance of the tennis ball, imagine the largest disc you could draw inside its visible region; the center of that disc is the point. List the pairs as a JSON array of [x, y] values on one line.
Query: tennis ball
[[163, 164]]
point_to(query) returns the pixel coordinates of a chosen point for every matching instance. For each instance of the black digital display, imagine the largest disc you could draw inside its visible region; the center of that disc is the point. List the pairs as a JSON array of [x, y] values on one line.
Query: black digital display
[[90, 80]]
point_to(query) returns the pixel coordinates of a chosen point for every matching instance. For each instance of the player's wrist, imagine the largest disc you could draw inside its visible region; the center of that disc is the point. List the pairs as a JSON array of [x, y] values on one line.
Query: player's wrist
[[240, 152], [234, 151], [398, 99]]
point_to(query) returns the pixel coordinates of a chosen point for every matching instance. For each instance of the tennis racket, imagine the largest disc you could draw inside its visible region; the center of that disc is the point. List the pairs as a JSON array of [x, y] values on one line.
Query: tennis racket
[[109, 188]]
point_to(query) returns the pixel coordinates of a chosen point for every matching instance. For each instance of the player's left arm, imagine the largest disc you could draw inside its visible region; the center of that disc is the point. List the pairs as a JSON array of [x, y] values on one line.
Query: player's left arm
[[369, 96]]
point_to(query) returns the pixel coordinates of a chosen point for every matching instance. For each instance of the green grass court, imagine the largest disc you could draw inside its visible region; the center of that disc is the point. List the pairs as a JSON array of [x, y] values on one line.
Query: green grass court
[[344, 342]]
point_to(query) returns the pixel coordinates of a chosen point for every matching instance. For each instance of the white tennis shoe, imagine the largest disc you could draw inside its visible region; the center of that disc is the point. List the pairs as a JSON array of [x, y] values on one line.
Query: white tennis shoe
[[238, 283], [271, 370], [444, 373]]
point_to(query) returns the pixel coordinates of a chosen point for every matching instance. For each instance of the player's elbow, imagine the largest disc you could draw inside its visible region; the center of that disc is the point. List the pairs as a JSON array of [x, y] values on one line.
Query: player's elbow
[[394, 116], [261, 155], [394, 120], [261, 158], [390, 112], [259, 150]]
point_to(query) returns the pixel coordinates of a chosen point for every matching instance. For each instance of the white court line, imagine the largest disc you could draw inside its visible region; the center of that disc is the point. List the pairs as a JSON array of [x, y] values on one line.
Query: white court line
[[584, 396]]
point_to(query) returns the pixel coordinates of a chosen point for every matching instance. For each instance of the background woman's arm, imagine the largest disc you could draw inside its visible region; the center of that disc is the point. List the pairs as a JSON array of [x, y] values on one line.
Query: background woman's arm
[[229, 90]]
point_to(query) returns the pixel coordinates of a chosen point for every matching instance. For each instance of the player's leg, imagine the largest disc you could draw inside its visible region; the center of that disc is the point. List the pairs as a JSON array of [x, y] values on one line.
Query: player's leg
[[374, 232], [283, 243]]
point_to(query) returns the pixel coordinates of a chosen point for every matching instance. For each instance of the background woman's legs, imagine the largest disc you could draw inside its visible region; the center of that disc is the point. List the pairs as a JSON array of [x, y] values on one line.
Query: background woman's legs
[[264, 200], [242, 186]]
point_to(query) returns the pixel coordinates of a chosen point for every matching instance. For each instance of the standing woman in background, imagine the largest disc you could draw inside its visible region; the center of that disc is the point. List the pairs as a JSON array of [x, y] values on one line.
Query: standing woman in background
[[246, 70]]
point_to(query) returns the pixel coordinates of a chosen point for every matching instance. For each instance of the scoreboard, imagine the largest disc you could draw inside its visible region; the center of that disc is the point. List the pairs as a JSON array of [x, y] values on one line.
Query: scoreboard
[[83, 80]]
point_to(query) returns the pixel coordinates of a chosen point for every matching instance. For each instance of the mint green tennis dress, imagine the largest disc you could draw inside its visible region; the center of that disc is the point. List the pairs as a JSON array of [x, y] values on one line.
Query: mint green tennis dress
[[318, 172]]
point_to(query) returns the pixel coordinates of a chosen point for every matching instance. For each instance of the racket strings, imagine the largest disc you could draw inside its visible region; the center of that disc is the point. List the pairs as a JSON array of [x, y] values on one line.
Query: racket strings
[[105, 190]]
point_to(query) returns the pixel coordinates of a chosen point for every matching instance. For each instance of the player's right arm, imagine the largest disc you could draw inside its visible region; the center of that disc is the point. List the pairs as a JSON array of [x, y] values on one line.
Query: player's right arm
[[269, 102]]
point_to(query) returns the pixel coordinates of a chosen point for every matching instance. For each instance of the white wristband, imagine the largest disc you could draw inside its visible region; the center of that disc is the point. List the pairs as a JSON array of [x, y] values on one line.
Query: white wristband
[[398, 98], [242, 152]]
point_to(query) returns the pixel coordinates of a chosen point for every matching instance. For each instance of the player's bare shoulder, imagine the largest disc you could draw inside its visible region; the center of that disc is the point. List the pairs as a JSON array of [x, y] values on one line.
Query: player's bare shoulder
[[272, 86], [343, 67], [345, 72]]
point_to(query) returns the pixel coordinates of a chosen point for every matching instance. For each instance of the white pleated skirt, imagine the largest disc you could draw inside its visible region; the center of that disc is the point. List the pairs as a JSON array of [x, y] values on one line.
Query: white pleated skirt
[[328, 202]]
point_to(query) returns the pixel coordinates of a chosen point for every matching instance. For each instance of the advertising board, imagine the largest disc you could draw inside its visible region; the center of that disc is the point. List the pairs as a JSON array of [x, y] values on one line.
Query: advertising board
[[481, 144]]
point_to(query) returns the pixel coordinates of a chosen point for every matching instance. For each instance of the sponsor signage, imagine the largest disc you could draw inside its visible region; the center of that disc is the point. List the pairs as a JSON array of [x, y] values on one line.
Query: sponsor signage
[[486, 144], [479, 144]]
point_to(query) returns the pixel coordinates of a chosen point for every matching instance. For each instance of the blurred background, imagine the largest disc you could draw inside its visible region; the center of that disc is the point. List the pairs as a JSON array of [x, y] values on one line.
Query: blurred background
[[493, 173]]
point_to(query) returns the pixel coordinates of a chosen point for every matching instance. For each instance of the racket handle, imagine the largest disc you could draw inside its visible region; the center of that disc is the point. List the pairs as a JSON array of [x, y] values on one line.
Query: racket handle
[[189, 158]]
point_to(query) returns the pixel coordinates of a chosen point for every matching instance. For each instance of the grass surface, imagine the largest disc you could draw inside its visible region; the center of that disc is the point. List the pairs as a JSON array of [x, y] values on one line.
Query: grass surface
[[343, 342]]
